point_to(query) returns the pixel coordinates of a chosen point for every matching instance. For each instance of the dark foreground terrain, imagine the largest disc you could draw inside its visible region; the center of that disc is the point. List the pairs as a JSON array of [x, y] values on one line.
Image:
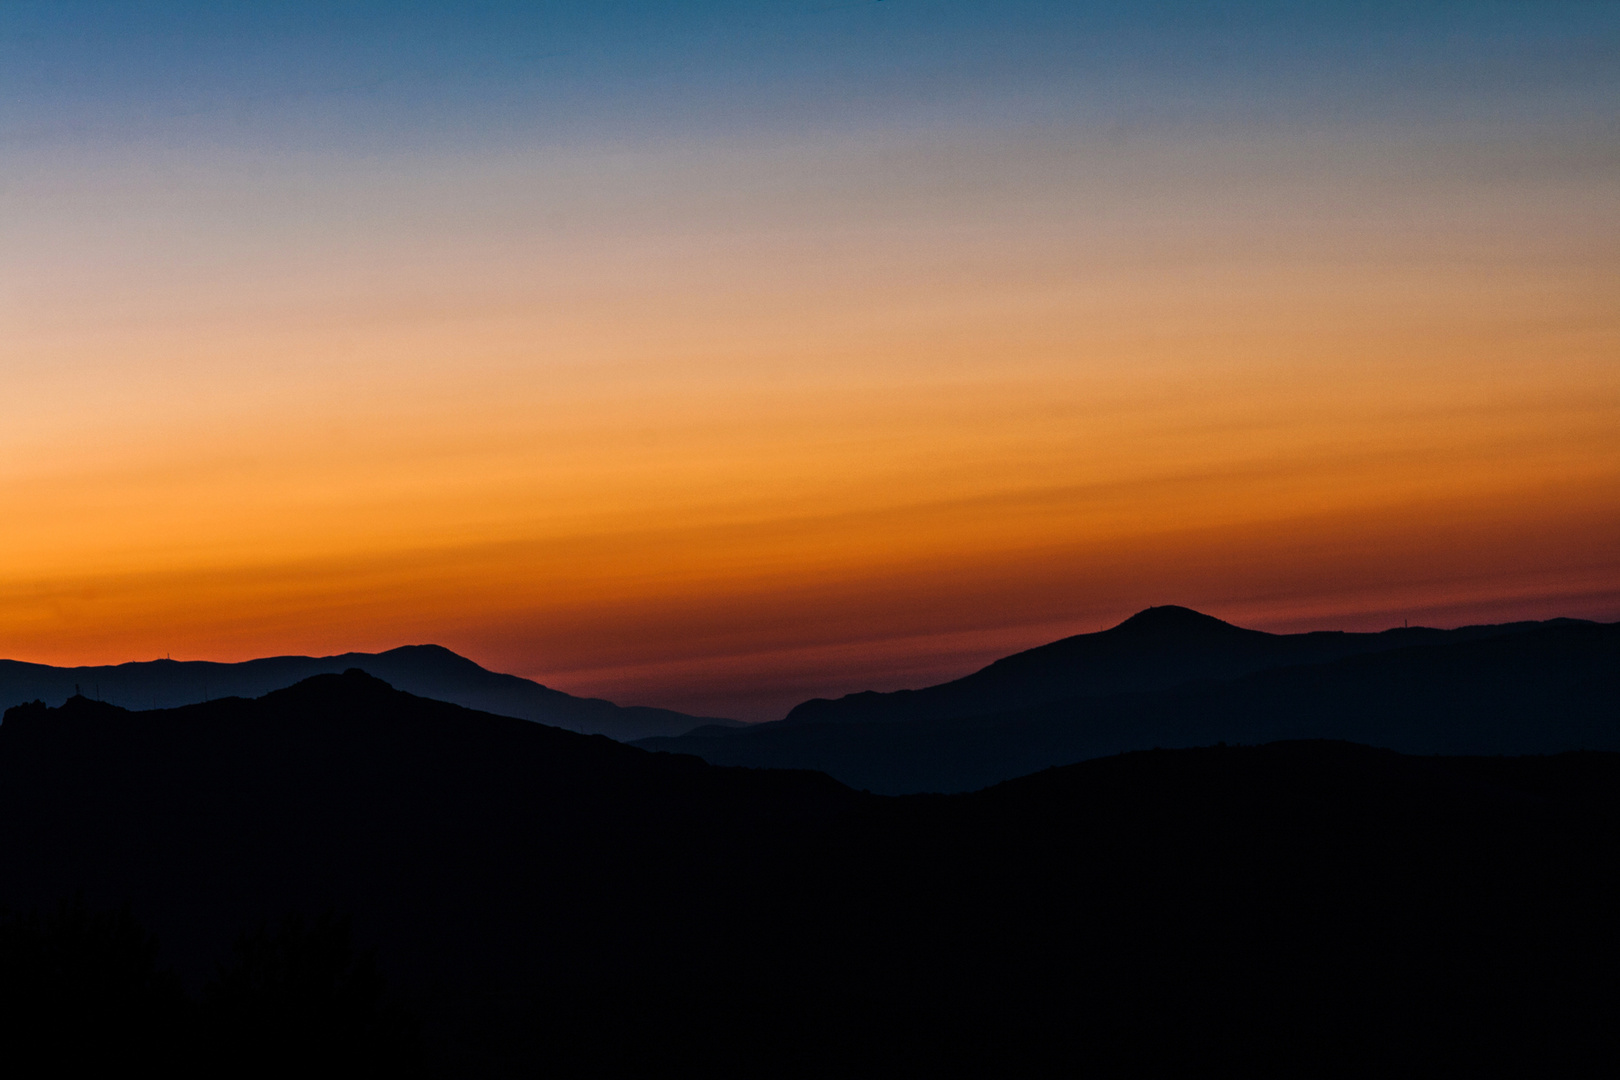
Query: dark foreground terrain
[[542, 902]]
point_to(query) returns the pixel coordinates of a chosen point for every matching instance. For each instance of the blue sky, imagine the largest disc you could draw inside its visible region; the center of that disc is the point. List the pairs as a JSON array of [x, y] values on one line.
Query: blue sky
[[316, 73]]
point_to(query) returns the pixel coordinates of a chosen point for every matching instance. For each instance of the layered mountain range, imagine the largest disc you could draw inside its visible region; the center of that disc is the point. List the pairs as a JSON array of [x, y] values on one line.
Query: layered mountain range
[[1171, 677], [428, 670], [1166, 677], [539, 901]]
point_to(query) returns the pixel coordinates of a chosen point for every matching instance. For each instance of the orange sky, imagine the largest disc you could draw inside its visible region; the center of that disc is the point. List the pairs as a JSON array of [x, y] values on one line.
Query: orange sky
[[720, 425]]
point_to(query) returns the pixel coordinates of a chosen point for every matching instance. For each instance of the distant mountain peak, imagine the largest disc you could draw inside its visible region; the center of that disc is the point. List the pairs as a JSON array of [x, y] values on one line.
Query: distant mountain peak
[[1174, 619], [426, 670], [434, 654]]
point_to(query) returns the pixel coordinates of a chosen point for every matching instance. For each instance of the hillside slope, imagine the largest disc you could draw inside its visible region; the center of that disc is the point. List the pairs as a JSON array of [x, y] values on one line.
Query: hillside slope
[[427, 670], [1542, 689], [550, 901], [1155, 649]]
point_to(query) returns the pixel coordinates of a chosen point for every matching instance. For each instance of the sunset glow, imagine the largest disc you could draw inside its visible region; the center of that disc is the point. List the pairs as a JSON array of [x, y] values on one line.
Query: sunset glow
[[715, 357]]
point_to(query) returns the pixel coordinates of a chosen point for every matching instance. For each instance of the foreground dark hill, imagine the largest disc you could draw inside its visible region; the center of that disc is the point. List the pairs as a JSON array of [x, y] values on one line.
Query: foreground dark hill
[[1155, 649], [1541, 688], [546, 901], [428, 670], [487, 855]]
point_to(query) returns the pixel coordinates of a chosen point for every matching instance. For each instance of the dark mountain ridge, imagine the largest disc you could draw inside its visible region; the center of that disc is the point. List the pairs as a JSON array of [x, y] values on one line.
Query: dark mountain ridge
[[427, 670], [545, 900], [1155, 649], [1526, 689], [320, 794]]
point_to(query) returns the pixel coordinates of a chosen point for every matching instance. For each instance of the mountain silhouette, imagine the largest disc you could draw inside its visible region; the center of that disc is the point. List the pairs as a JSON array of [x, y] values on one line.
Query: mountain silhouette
[[1525, 688], [427, 670], [542, 900], [1154, 649]]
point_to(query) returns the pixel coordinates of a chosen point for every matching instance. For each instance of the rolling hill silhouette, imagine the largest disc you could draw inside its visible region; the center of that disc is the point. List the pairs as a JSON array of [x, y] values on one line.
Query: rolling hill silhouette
[[1155, 649], [544, 900], [1170, 677], [428, 670]]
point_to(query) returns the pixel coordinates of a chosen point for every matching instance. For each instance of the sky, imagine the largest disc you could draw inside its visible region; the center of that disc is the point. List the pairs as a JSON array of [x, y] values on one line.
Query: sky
[[721, 355]]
